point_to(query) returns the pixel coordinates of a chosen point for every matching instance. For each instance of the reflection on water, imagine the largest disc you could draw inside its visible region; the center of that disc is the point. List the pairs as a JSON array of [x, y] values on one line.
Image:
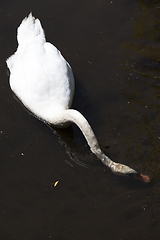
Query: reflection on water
[[144, 83], [147, 22], [149, 63], [147, 29], [77, 149]]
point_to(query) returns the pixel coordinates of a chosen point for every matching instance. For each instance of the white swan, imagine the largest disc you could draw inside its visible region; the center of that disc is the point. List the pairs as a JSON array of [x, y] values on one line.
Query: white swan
[[43, 81]]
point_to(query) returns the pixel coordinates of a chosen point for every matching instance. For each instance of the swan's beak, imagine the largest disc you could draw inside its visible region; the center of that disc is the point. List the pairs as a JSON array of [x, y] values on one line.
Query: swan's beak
[[141, 177]]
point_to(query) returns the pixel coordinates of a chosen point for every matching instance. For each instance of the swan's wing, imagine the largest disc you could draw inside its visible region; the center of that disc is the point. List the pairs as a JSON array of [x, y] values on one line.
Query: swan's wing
[[60, 75], [42, 79]]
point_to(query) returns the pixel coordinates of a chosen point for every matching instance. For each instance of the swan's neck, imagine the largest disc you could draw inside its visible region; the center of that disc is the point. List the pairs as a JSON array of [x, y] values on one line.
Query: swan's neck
[[76, 117], [67, 116]]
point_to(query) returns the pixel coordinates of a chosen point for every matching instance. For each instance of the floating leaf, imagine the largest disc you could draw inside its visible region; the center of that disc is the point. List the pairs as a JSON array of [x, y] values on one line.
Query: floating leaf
[[55, 184]]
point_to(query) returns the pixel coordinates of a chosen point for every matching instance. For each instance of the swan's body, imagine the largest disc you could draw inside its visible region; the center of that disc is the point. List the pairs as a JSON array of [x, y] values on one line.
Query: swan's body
[[43, 80]]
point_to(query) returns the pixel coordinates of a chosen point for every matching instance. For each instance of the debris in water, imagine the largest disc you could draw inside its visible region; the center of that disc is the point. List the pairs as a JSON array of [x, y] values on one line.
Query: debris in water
[[55, 184]]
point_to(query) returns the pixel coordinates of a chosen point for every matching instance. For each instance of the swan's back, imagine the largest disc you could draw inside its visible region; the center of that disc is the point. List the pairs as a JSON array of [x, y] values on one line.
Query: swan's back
[[40, 76]]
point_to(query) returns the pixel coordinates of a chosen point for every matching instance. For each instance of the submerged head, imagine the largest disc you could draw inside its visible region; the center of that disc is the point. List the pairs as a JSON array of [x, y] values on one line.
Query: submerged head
[[141, 177], [123, 170]]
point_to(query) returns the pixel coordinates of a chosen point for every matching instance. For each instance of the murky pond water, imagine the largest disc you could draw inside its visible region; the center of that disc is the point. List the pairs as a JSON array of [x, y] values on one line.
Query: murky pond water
[[114, 50]]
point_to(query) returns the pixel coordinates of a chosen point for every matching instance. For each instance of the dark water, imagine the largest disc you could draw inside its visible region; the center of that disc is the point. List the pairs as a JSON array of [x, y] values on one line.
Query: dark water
[[114, 50]]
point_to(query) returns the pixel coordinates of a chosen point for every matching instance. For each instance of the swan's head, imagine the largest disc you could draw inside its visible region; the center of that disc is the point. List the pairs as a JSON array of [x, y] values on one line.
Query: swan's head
[[123, 170]]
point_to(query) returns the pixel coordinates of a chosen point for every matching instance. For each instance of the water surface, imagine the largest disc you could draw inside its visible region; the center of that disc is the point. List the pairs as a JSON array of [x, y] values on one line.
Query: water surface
[[113, 48]]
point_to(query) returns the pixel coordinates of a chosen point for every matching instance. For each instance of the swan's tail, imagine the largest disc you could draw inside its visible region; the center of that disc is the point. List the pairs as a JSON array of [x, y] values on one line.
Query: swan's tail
[[29, 30]]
